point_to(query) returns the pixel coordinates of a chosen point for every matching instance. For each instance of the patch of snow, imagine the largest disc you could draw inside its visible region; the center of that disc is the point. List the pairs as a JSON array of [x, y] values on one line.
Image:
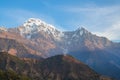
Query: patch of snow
[[34, 25], [81, 32], [2, 28], [75, 35]]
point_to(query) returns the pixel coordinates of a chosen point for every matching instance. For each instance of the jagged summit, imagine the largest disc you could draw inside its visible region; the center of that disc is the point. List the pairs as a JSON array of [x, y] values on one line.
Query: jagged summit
[[82, 30], [80, 33], [34, 25], [36, 21]]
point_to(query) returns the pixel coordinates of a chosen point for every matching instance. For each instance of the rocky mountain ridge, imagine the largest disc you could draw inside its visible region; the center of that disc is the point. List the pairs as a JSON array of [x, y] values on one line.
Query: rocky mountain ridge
[[44, 40]]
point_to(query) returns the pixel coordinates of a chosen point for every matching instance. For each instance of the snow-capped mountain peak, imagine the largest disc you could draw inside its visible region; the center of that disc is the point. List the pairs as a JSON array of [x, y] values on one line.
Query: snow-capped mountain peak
[[2, 28], [36, 21], [81, 31], [34, 25]]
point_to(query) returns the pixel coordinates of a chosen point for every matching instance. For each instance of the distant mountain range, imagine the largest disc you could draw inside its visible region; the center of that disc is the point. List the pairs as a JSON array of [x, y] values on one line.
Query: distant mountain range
[[37, 39]]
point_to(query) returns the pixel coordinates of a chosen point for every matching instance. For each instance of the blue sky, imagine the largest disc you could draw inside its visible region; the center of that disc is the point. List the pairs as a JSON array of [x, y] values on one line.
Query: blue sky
[[101, 17]]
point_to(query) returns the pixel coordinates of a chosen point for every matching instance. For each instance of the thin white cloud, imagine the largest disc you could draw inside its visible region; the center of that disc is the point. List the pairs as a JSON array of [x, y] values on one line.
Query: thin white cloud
[[113, 32], [104, 21]]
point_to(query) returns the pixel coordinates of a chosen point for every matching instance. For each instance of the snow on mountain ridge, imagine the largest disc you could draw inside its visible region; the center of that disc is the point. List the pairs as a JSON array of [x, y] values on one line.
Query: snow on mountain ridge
[[34, 25], [2, 28], [36, 21], [37, 24], [82, 30], [79, 32]]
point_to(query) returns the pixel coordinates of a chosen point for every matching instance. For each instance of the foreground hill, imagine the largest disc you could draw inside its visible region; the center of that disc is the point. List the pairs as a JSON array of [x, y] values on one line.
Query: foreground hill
[[54, 68], [11, 75], [66, 68]]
